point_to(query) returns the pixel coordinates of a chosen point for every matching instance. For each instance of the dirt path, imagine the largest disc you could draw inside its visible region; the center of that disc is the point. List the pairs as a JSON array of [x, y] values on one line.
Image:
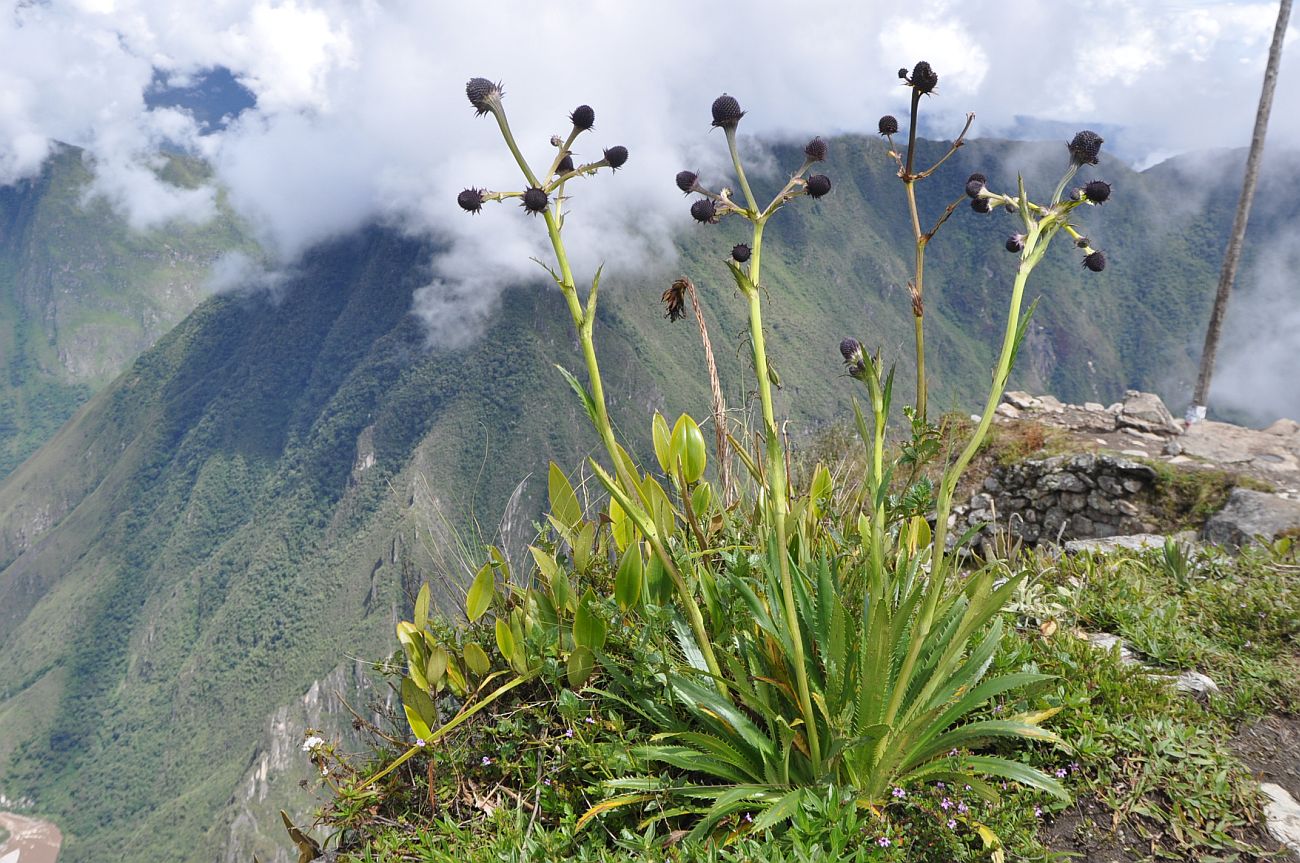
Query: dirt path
[[31, 841]]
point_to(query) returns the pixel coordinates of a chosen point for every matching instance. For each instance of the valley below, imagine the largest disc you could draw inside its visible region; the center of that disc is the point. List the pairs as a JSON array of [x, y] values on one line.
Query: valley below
[[30, 840]]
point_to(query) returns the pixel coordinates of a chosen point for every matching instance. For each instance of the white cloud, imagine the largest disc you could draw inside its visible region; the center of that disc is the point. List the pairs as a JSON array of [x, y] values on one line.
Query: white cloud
[[361, 112]]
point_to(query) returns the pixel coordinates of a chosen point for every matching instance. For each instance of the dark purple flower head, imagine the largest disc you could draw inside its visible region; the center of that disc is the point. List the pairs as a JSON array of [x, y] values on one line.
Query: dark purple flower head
[[818, 185], [482, 93], [470, 200], [924, 78], [616, 157], [1084, 148], [726, 112], [851, 350], [981, 205], [975, 184], [1095, 262], [704, 211], [688, 181], [1098, 191], [583, 117], [888, 125], [535, 200], [902, 73], [565, 166], [740, 253], [815, 150], [1016, 243]]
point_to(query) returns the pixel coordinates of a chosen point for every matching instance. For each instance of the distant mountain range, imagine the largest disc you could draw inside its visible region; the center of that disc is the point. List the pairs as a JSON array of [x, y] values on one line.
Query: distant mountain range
[[251, 501]]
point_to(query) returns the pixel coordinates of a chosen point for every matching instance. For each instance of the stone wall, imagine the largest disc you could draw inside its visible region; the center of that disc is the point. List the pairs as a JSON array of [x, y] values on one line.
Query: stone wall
[[1060, 498]]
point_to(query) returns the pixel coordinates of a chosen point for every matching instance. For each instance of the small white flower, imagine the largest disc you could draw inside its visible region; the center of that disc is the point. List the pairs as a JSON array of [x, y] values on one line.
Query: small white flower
[[311, 744], [419, 741]]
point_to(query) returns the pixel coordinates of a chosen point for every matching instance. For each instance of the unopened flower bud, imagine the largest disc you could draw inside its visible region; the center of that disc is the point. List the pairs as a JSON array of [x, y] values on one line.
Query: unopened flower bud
[[888, 125], [924, 78], [1098, 191], [818, 185], [535, 200], [1084, 148], [704, 211], [482, 94], [1095, 262], [616, 157], [470, 200], [726, 112], [740, 253], [565, 166], [1016, 243], [688, 181], [815, 150], [1081, 243], [981, 205], [557, 141], [902, 73], [851, 350], [975, 184], [583, 118]]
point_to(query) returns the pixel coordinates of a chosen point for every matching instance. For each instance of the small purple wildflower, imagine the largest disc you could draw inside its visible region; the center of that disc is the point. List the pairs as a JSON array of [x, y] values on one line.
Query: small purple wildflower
[[1060, 773], [945, 804], [1038, 812], [1074, 767], [952, 753], [884, 842], [952, 823], [546, 781], [963, 808], [940, 785], [749, 818], [568, 732], [900, 793], [589, 721], [486, 761]]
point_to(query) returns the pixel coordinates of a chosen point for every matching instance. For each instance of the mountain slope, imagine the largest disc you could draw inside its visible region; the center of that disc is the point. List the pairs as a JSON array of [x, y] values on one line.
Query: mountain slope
[[82, 294], [251, 502]]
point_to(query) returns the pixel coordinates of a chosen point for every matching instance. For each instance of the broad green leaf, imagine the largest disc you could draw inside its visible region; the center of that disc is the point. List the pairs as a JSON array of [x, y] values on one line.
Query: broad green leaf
[[582, 546], [659, 587], [821, 490], [505, 638], [422, 606], [660, 436], [564, 503], [588, 628], [421, 715], [621, 526], [437, 667], [701, 497], [686, 446], [628, 581], [476, 658], [581, 663], [545, 563], [480, 593]]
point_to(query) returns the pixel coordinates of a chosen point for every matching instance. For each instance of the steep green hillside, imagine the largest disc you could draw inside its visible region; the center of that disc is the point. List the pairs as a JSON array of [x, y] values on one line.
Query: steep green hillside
[[250, 502], [81, 294]]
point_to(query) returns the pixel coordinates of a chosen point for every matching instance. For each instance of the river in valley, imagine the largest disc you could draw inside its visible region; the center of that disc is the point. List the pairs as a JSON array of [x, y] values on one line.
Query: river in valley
[[30, 840]]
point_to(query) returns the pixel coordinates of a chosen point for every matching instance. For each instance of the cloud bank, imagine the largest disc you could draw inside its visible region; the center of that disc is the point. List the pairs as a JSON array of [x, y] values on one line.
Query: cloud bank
[[360, 111]]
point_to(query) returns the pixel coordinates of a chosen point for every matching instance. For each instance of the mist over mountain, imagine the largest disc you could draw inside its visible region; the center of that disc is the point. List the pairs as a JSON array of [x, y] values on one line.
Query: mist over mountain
[[258, 493]]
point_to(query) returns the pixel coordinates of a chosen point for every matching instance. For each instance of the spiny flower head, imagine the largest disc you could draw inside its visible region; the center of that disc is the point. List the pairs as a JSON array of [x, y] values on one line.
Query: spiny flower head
[[1098, 191], [1016, 243], [851, 350], [924, 79], [888, 125], [704, 211], [583, 117], [981, 205], [470, 200], [674, 299], [726, 112], [565, 166], [616, 157], [688, 181], [535, 200], [483, 94], [975, 184], [1096, 262], [1084, 148], [818, 185], [815, 150], [740, 253]]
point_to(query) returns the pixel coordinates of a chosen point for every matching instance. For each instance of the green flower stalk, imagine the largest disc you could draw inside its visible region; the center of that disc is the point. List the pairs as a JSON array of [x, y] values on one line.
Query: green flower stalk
[[922, 81], [746, 269], [544, 196]]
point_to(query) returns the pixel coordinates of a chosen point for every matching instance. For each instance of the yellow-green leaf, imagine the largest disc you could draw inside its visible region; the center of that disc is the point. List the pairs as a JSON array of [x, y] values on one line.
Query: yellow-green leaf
[[658, 585], [422, 606], [437, 667], [581, 663], [480, 593], [686, 446], [505, 638], [627, 583], [582, 546], [421, 715], [660, 436], [701, 497], [621, 525], [564, 503], [476, 659]]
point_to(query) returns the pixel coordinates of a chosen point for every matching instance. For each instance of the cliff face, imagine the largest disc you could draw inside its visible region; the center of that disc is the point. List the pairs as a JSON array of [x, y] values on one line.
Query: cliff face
[[82, 295]]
